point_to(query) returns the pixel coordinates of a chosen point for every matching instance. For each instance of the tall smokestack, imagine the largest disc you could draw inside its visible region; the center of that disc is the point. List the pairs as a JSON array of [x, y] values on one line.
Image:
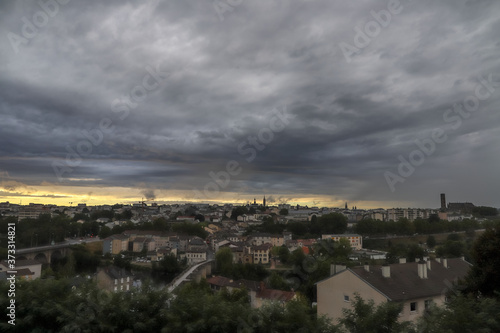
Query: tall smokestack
[[443, 201]]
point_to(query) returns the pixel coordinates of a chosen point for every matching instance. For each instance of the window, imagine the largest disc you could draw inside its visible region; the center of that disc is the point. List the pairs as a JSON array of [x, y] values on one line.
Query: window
[[427, 303], [346, 298], [116, 281], [413, 306]]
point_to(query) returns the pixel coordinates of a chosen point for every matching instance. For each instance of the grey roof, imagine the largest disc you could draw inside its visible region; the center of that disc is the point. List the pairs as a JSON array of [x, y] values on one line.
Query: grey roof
[[117, 273], [22, 263], [404, 282]]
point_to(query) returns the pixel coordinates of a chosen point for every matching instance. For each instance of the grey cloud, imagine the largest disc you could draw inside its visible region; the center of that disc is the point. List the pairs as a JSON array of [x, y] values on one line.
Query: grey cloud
[[350, 121]]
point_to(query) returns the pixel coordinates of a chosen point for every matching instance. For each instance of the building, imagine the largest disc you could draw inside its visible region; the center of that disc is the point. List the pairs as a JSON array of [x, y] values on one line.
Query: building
[[416, 285], [259, 294], [141, 243], [114, 279], [461, 207], [261, 238], [31, 212], [194, 256], [29, 269], [261, 253], [115, 244], [355, 240]]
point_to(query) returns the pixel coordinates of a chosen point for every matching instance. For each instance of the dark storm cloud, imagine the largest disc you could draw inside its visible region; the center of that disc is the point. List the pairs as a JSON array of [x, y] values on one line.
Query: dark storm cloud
[[348, 122]]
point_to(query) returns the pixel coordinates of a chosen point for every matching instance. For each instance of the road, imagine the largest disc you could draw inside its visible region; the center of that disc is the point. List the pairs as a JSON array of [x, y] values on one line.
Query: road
[[58, 245]]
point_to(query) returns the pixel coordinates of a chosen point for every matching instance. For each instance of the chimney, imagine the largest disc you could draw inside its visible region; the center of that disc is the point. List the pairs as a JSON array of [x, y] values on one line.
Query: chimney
[[402, 260], [445, 263], [335, 269], [367, 267], [422, 270], [386, 271]]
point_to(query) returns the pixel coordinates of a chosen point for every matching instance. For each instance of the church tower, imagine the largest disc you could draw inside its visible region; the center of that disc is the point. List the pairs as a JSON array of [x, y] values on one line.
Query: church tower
[[264, 202]]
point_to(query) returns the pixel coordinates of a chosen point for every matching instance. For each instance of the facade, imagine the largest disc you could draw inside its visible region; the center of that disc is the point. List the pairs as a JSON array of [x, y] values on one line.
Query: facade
[[261, 238], [114, 279], [261, 253], [115, 244], [416, 285], [22, 267], [194, 256], [141, 243], [355, 240]]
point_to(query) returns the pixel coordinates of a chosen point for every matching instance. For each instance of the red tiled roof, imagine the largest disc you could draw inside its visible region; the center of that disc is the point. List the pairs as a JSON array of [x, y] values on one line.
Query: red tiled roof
[[276, 295], [222, 281]]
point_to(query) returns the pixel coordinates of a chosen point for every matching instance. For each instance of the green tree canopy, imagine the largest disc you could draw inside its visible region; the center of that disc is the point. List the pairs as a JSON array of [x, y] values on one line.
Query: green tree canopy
[[224, 261], [484, 276], [365, 317]]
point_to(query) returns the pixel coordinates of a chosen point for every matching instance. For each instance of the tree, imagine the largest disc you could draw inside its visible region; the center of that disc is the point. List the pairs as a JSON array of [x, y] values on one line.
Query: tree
[[462, 314], [237, 211], [431, 241], [343, 248], [284, 254], [333, 223], [484, 275], [276, 281], [453, 237], [283, 211], [224, 261], [105, 232], [365, 317], [297, 257]]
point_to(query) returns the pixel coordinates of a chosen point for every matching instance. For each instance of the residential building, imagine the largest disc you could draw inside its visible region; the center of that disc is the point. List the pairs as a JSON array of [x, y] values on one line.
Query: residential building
[[140, 243], [259, 294], [114, 279], [261, 238], [355, 240], [115, 244], [261, 253], [33, 266], [416, 285], [194, 256]]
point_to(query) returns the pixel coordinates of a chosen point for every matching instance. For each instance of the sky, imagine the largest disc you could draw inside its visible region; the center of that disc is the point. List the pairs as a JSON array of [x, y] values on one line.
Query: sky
[[377, 104]]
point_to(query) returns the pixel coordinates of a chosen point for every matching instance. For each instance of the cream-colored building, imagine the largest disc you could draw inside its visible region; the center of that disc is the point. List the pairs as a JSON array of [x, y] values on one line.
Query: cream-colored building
[[115, 244], [416, 285], [355, 240]]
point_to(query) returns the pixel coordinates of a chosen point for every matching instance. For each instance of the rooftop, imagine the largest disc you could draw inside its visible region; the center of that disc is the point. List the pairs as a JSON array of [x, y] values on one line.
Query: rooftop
[[404, 282]]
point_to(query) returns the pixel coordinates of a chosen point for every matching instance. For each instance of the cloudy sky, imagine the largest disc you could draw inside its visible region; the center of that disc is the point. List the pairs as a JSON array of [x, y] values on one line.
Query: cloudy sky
[[380, 104]]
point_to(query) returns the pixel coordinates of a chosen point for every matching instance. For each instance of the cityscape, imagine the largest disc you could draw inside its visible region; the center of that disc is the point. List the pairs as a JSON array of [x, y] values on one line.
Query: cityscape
[[250, 166]]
